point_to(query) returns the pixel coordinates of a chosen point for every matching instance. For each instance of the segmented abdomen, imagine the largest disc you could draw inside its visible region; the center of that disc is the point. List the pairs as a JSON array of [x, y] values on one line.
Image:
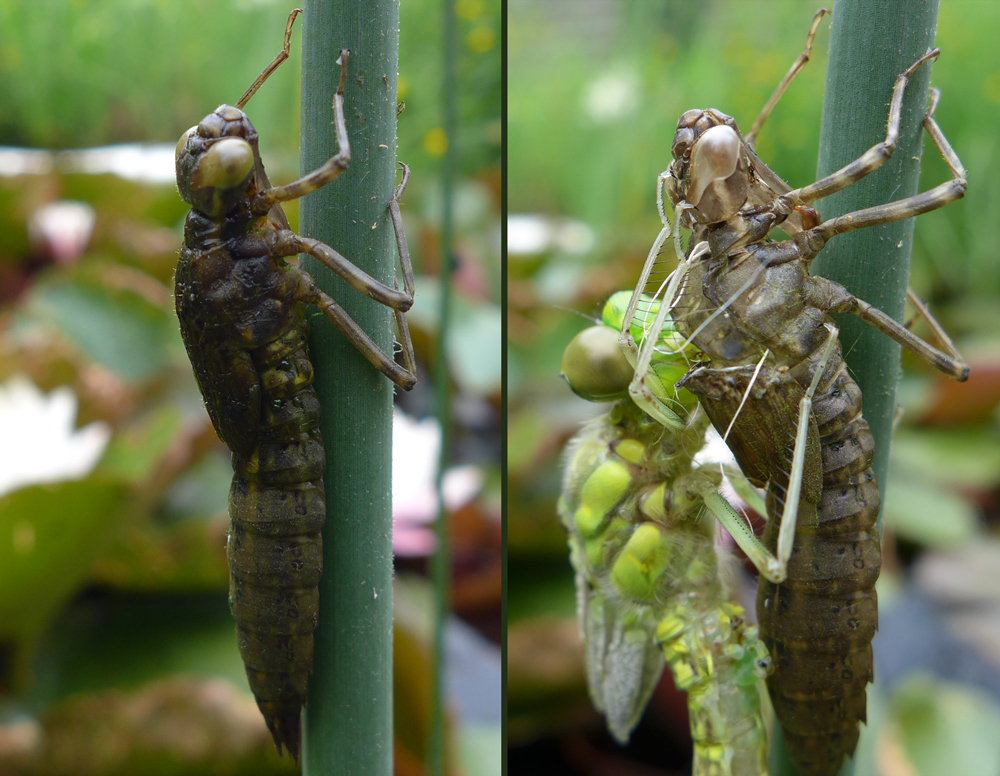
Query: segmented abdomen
[[648, 590], [716, 658], [277, 507], [819, 623]]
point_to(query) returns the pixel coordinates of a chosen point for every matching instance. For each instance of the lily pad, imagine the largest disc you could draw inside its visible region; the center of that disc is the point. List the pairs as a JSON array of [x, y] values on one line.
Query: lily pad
[[927, 513], [53, 533], [947, 728], [119, 330]]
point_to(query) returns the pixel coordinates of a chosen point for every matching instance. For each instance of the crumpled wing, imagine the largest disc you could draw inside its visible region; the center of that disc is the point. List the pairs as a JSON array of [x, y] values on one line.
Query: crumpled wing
[[623, 661]]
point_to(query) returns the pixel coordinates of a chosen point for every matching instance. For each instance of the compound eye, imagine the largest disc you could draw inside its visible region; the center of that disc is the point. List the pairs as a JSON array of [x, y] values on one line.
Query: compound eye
[[212, 126], [714, 157], [682, 142], [183, 142], [226, 165], [594, 366]]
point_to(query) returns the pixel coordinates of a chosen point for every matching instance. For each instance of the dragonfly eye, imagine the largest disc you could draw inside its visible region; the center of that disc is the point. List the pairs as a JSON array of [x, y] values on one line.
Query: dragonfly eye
[[683, 139], [182, 143], [594, 365], [212, 125], [713, 158], [226, 165]]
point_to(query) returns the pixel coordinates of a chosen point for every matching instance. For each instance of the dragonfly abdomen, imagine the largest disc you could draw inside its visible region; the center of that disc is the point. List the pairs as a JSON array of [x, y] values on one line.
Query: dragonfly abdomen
[[277, 504], [820, 622], [713, 663]]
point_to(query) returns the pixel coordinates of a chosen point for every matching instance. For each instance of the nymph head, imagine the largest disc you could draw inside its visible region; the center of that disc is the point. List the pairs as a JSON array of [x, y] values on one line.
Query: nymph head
[[216, 160], [709, 171]]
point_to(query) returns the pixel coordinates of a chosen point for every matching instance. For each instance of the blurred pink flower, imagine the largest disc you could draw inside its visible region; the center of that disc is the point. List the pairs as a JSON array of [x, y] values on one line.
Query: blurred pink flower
[[61, 230], [416, 447]]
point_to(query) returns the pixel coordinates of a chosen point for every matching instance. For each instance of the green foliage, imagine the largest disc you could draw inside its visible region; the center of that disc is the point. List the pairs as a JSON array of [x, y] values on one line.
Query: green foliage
[[478, 65], [78, 74], [120, 330], [589, 138], [946, 727], [133, 454], [58, 531], [593, 102]]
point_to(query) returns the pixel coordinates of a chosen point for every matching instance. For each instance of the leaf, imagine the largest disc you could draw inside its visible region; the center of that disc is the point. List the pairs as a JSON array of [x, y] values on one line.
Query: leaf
[[927, 513], [180, 725], [474, 346], [58, 530], [474, 336], [134, 452], [948, 728], [967, 456], [121, 331], [480, 747], [474, 343]]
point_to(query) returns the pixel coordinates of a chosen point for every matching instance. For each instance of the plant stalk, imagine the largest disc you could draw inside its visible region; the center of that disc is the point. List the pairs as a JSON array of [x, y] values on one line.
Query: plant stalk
[[348, 725], [440, 566], [871, 43]]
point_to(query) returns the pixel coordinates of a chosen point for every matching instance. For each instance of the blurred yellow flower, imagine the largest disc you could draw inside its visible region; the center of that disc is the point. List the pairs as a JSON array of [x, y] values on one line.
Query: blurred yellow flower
[[402, 88], [436, 142], [481, 39], [991, 87], [469, 9]]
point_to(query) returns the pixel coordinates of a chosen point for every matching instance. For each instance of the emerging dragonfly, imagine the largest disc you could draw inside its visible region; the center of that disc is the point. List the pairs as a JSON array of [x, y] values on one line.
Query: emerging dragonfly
[[649, 588], [775, 384], [242, 311]]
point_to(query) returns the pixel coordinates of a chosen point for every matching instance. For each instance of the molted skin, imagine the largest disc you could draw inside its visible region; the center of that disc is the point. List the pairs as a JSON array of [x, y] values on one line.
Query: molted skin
[[819, 623], [242, 316]]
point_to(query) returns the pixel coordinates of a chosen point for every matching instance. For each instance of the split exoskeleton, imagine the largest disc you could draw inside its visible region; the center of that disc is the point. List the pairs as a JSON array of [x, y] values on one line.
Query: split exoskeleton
[[774, 383]]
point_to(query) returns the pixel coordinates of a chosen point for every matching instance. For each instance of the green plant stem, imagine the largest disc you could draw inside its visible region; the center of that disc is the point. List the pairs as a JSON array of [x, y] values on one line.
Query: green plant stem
[[348, 726], [871, 43], [440, 566]]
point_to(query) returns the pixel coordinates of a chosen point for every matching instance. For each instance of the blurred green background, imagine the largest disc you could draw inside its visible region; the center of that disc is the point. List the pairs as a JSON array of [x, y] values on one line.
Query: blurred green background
[[117, 650], [594, 92]]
